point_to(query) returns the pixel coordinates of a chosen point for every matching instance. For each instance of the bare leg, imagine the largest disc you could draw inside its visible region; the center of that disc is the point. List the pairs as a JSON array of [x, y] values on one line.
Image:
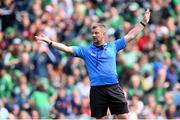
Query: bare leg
[[122, 116]]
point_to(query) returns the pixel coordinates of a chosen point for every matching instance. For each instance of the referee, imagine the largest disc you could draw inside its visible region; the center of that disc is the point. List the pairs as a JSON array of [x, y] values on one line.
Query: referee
[[100, 60]]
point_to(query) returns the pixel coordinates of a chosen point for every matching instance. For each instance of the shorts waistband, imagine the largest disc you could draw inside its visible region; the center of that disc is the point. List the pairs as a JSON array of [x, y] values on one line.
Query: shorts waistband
[[104, 86]]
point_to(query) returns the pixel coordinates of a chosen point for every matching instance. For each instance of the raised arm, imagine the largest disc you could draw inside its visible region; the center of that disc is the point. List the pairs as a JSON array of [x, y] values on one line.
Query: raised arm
[[138, 27], [57, 45]]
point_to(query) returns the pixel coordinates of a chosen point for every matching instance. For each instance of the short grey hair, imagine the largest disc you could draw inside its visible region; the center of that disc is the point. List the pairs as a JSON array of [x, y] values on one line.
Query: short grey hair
[[95, 25]]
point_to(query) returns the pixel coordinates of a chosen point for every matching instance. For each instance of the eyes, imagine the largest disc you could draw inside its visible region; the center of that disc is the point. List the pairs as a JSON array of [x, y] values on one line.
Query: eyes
[[95, 33]]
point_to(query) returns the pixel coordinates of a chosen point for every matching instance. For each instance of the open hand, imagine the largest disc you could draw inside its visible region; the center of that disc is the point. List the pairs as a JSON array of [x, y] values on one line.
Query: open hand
[[43, 37], [147, 16]]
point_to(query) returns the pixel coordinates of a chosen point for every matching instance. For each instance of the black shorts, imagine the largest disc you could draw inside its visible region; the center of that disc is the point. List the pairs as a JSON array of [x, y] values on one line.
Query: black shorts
[[107, 96]]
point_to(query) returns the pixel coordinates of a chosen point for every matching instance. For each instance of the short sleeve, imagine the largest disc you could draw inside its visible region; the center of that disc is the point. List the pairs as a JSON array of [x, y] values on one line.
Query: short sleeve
[[78, 51], [120, 44]]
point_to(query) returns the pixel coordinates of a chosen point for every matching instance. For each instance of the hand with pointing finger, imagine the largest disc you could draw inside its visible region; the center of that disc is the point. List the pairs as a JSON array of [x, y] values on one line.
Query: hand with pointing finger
[[44, 38]]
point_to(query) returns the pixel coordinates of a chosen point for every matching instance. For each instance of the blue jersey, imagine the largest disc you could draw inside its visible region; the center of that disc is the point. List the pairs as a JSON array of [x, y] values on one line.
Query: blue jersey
[[101, 61]]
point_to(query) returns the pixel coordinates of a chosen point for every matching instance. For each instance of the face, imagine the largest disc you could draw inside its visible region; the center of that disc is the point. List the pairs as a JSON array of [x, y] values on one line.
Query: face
[[98, 36]]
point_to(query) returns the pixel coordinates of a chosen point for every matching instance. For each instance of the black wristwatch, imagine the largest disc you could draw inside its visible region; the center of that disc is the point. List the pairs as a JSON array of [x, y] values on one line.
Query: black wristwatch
[[143, 24]]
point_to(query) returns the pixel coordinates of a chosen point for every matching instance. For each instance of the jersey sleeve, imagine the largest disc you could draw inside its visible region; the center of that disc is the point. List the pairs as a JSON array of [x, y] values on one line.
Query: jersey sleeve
[[78, 51], [120, 44]]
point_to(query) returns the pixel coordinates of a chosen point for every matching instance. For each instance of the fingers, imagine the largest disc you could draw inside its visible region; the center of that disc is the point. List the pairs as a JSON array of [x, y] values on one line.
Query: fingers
[[44, 36], [147, 13], [148, 10], [36, 37], [39, 38]]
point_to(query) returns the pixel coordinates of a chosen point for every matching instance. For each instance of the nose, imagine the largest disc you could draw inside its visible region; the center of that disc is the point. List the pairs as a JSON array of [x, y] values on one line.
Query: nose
[[94, 35]]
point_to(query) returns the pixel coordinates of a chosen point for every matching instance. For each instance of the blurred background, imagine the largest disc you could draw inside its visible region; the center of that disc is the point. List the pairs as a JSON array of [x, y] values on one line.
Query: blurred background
[[38, 81]]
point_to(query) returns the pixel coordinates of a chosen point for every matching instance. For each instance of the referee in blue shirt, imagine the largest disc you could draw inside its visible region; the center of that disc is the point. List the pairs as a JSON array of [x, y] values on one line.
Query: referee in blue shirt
[[100, 60]]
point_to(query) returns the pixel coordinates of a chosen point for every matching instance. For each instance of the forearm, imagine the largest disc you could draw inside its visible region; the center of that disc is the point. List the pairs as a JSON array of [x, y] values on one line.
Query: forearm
[[62, 47], [133, 32], [57, 45]]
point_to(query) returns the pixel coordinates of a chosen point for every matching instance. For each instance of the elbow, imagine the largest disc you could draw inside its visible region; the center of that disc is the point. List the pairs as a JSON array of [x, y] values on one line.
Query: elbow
[[69, 50]]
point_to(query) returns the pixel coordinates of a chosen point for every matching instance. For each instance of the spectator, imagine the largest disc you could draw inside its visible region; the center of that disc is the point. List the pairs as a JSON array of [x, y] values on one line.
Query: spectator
[[6, 83], [35, 114], [84, 87], [40, 60], [3, 111], [7, 13], [171, 111], [135, 88], [61, 103], [158, 91], [137, 103], [25, 66], [40, 101], [22, 93], [158, 112]]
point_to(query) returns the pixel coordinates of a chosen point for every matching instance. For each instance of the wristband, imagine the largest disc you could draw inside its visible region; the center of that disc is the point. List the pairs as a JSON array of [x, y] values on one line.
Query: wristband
[[143, 24], [50, 43]]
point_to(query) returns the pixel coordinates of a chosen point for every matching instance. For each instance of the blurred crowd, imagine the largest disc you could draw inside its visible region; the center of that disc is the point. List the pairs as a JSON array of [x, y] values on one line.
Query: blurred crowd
[[38, 81]]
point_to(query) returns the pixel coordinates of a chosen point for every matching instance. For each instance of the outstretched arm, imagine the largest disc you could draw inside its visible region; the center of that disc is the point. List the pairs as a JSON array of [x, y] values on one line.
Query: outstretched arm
[[138, 27], [57, 45]]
